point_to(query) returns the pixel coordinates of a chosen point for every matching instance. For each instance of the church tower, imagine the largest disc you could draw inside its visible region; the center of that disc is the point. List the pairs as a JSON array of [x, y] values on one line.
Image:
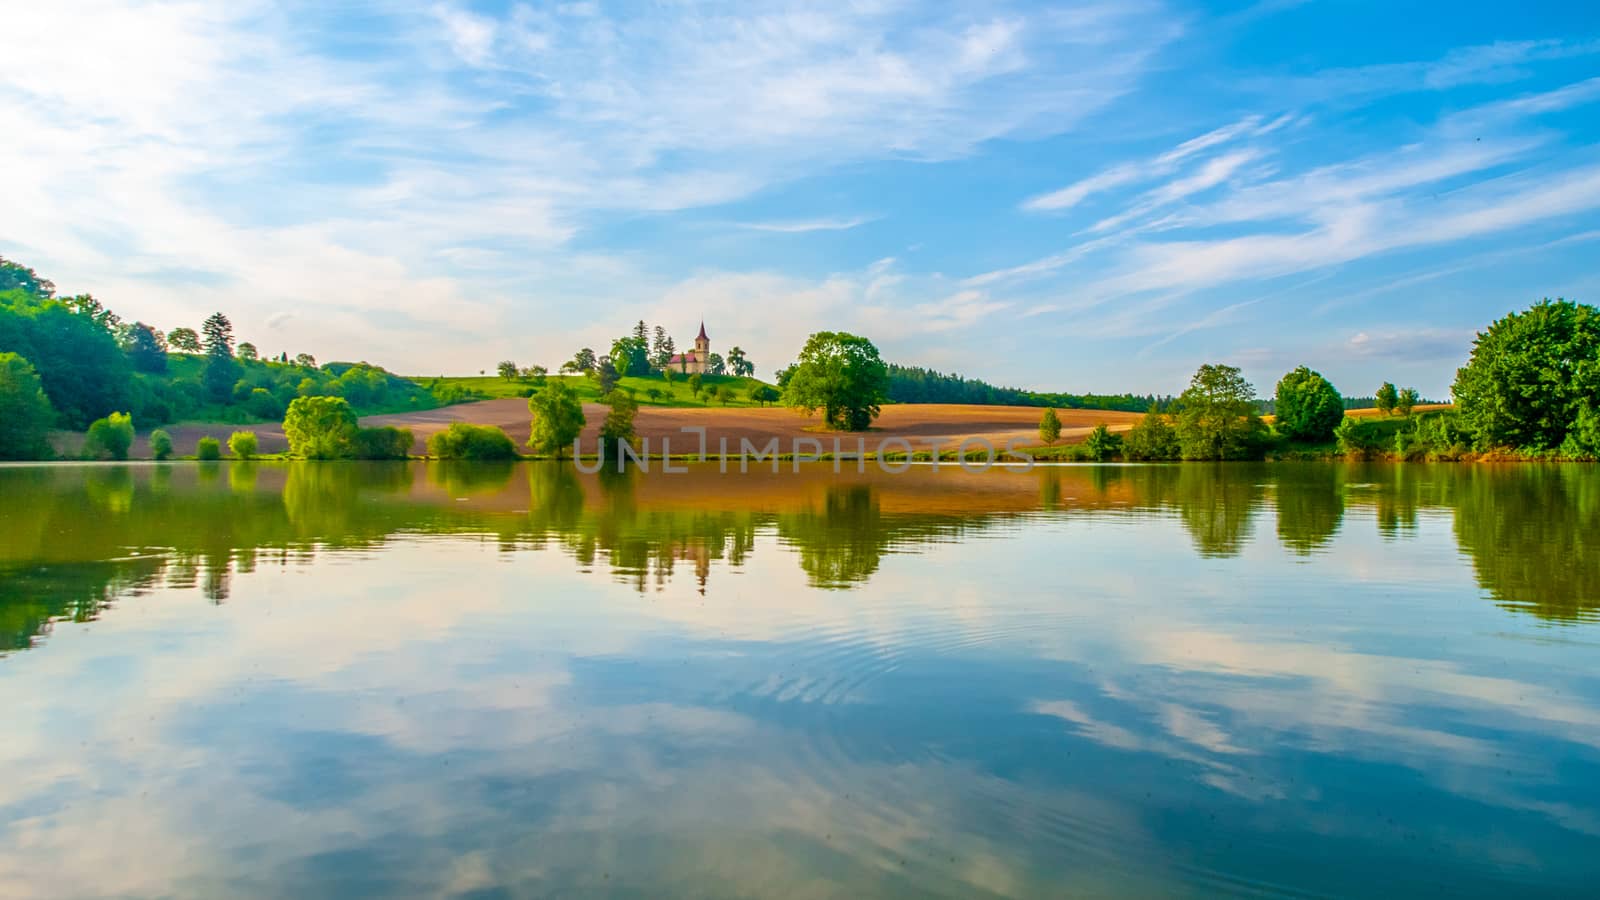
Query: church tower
[[702, 345]]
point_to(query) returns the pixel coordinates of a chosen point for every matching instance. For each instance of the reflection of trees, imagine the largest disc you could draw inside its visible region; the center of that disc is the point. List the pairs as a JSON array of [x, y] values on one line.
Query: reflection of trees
[[1215, 501], [1533, 533], [466, 478], [1310, 505], [841, 543]]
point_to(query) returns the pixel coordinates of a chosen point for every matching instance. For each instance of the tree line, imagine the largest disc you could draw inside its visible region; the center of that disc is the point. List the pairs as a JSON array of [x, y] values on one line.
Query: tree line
[[71, 362], [915, 384]]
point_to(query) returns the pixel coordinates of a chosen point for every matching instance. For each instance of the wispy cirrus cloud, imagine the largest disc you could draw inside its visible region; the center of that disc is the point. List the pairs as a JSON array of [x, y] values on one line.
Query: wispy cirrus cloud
[[806, 225]]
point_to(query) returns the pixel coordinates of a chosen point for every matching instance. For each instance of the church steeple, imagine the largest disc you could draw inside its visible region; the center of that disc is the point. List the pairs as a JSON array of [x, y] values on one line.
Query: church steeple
[[702, 344], [702, 335]]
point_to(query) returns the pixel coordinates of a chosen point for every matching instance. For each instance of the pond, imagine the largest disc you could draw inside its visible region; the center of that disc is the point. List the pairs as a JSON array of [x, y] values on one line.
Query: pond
[[337, 679]]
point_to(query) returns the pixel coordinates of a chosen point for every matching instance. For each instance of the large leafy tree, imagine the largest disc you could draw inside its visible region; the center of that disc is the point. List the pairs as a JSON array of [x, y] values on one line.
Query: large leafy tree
[[1386, 398], [83, 369], [146, 348], [321, 428], [557, 419], [184, 340], [1533, 378], [740, 364], [25, 413], [16, 276], [1308, 408], [617, 428], [842, 375], [1217, 418]]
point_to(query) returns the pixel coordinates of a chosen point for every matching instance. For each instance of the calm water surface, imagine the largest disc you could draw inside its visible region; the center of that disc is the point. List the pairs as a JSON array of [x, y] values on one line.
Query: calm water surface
[[428, 680]]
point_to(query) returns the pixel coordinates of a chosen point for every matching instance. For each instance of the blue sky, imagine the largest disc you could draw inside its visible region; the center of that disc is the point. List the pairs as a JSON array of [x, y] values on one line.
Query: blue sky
[[1096, 196]]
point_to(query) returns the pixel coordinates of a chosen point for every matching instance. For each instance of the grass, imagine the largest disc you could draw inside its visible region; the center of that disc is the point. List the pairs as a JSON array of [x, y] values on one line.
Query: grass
[[671, 394]]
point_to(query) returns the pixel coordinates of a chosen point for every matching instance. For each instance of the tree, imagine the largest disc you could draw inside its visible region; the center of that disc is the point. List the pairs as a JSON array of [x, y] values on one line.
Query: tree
[[305, 360], [320, 428], [208, 449], [1308, 408], [87, 306], [183, 340], [1533, 377], [739, 364], [80, 363], [16, 276], [221, 371], [715, 365], [1152, 438], [243, 444], [25, 413], [631, 355], [247, 352], [1406, 401], [607, 376], [1386, 398], [507, 370], [659, 354], [617, 428], [146, 348], [1049, 427], [557, 419], [160, 444], [1217, 418], [761, 393], [840, 374], [464, 441], [536, 374], [109, 437], [696, 384], [583, 362], [1101, 443]]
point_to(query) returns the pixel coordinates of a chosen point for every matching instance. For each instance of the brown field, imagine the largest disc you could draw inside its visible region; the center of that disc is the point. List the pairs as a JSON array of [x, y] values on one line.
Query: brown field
[[1373, 413], [922, 424]]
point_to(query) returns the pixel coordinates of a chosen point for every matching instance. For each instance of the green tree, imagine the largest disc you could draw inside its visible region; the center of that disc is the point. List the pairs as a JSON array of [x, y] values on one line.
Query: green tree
[[464, 441], [617, 428], [1308, 408], [160, 444], [583, 363], [761, 393], [1533, 380], [221, 370], [739, 364], [320, 428], [247, 352], [557, 419], [79, 361], [1153, 437], [1386, 398], [16, 276], [1406, 401], [715, 365], [1217, 418], [25, 413], [606, 376], [696, 384], [1049, 427], [507, 370], [109, 437], [184, 340], [631, 355], [208, 449], [146, 349], [243, 444], [1101, 443], [305, 360], [842, 375]]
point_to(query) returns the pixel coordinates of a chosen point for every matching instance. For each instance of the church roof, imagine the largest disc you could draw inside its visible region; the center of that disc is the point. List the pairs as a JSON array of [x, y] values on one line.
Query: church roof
[[702, 335]]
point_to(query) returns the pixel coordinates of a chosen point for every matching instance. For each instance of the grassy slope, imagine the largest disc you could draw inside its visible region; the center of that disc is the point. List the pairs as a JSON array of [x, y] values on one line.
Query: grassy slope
[[674, 394], [192, 366]]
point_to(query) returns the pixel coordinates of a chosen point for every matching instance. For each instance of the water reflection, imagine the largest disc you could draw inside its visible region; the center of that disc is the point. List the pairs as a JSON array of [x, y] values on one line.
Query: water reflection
[[523, 680], [1523, 527]]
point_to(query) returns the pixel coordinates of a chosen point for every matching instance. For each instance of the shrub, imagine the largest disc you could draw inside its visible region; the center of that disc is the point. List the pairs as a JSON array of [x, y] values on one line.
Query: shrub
[[243, 444], [209, 448], [464, 441], [160, 444], [109, 437], [1101, 443], [386, 442]]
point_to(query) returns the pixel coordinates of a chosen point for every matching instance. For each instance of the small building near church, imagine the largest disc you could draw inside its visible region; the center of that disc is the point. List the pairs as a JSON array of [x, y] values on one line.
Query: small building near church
[[696, 361]]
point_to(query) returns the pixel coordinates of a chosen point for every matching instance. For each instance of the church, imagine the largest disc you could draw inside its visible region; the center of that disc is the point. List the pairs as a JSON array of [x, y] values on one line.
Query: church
[[696, 361]]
